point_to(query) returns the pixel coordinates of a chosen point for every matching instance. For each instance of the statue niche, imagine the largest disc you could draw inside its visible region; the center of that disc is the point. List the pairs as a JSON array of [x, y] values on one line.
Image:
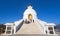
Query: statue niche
[[30, 17]]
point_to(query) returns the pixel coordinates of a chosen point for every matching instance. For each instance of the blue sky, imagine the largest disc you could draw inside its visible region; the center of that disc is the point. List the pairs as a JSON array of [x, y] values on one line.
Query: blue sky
[[12, 10]]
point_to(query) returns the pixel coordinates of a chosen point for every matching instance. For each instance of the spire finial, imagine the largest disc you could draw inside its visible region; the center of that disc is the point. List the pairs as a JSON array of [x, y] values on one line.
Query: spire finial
[[29, 6]]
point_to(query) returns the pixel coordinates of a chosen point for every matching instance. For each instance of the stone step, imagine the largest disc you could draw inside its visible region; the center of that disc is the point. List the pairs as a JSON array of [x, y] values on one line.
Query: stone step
[[29, 35]]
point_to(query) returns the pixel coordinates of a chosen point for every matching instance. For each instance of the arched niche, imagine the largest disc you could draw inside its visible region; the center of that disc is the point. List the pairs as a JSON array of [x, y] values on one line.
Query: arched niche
[[30, 16]]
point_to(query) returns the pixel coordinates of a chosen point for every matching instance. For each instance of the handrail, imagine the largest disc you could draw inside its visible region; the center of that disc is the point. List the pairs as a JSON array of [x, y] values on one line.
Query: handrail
[[19, 26]]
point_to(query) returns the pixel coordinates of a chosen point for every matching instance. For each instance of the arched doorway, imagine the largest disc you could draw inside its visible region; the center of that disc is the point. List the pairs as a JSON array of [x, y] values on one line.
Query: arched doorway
[[30, 16]]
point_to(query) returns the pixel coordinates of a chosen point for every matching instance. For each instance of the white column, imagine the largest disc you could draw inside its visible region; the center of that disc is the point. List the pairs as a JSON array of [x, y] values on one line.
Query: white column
[[6, 29], [47, 30], [53, 30], [44, 29], [14, 29], [11, 29]]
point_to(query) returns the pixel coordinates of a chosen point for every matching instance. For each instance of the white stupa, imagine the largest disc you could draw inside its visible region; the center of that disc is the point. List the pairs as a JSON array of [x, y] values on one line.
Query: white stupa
[[30, 24]]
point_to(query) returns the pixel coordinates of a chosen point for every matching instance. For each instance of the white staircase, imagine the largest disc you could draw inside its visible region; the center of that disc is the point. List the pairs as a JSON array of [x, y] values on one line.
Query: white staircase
[[32, 28]]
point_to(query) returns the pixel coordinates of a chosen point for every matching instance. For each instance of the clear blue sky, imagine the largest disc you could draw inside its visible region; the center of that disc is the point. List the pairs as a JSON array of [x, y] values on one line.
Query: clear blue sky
[[47, 10]]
